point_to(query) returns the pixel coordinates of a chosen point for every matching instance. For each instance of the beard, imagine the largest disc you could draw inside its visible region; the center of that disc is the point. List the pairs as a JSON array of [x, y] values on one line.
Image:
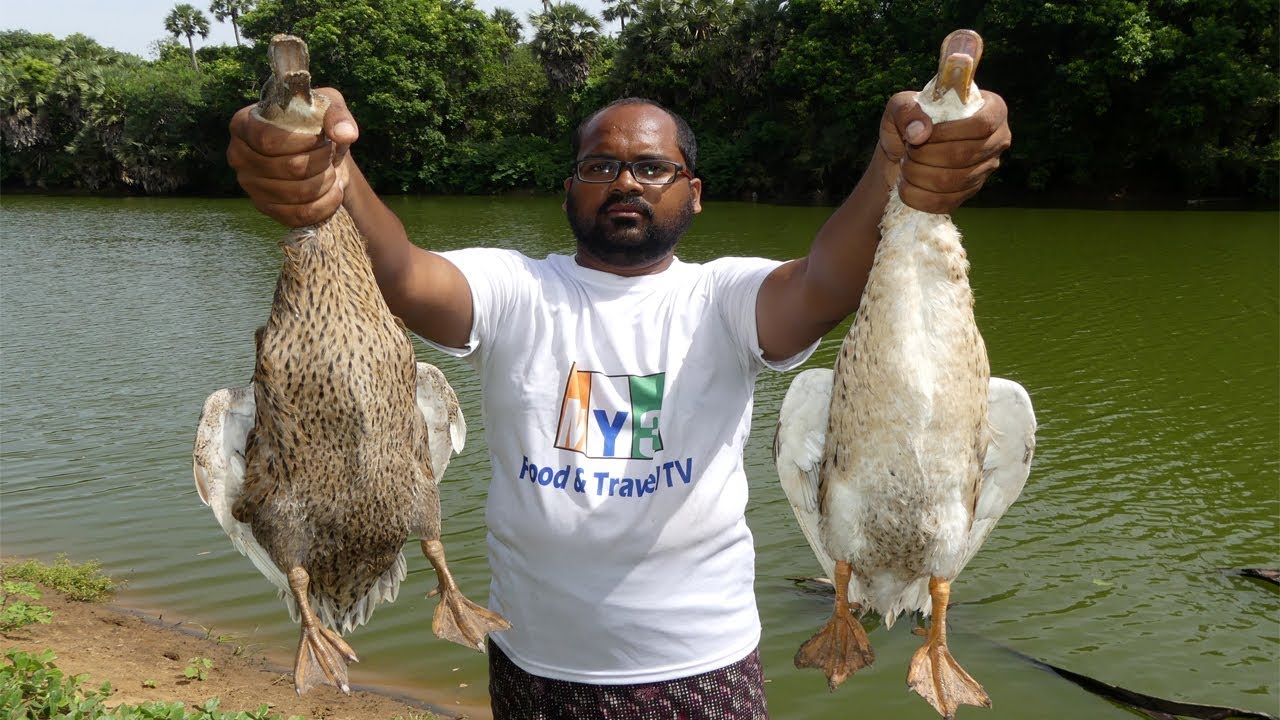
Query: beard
[[627, 242]]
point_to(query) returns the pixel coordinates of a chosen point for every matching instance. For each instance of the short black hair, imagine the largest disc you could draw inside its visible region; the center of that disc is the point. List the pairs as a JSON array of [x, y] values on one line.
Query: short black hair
[[684, 134]]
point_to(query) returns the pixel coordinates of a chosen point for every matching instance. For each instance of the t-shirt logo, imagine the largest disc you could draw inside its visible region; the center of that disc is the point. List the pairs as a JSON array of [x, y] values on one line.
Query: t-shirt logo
[[611, 416]]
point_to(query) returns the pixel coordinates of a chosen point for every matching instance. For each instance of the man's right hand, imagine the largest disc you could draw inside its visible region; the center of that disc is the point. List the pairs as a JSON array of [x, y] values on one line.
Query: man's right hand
[[293, 178]]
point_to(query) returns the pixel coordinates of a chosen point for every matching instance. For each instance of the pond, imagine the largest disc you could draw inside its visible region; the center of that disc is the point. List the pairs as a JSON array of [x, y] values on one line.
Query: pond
[[1149, 342]]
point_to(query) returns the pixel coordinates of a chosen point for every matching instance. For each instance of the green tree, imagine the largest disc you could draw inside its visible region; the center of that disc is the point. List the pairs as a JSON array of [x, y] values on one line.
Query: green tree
[[1149, 99], [77, 115], [620, 10], [51, 92], [1164, 99], [232, 10], [745, 122], [671, 52], [151, 128], [400, 64], [566, 39], [838, 65], [508, 22], [187, 21], [1216, 102]]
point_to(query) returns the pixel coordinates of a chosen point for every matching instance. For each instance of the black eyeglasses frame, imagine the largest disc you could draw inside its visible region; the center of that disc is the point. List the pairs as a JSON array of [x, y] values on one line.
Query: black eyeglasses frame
[[627, 165]]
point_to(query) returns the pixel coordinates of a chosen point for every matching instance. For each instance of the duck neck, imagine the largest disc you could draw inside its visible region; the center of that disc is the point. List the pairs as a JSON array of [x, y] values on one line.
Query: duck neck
[[331, 251]]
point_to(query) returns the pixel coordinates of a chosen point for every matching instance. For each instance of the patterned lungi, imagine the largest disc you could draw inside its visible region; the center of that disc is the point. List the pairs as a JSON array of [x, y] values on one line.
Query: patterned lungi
[[734, 692]]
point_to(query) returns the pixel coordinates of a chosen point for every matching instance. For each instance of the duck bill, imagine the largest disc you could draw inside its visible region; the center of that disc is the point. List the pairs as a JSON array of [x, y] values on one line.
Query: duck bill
[[290, 67], [957, 64]]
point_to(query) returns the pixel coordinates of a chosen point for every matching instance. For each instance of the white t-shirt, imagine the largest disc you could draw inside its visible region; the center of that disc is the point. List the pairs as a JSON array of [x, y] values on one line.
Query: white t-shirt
[[615, 411]]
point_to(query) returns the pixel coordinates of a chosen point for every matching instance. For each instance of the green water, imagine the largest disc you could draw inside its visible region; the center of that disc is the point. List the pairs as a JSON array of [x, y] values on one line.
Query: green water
[[1150, 344]]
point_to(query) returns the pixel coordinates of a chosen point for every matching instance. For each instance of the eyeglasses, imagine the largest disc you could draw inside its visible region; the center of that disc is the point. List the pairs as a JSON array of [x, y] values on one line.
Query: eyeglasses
[[646, 172]]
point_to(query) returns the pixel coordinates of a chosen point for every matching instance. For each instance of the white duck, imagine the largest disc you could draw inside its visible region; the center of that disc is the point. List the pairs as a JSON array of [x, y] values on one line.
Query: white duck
[[899, 463]]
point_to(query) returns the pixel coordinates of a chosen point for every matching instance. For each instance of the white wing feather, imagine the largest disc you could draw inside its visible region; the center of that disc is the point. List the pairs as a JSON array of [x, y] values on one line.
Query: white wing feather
[[446, 428], [797, 452], [218, 464], [1008, 459]]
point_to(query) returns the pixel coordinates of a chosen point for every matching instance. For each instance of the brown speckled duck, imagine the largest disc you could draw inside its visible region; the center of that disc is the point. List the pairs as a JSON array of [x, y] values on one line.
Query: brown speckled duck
[[899, 463], [323, 468]]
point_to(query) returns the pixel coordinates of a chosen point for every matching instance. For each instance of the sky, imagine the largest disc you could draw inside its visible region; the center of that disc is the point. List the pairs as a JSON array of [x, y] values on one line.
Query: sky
[[132, 26]]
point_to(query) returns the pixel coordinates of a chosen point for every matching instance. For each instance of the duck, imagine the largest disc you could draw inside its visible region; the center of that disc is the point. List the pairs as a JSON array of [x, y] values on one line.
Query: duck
[[899, 461], [323, 467]]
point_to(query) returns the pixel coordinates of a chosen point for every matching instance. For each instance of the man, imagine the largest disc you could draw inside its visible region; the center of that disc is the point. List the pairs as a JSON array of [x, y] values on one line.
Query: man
[[617, 389]]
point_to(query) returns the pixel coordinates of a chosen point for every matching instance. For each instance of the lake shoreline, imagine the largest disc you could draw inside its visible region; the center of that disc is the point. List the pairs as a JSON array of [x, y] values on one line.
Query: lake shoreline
[[144, 655], [990, 197]]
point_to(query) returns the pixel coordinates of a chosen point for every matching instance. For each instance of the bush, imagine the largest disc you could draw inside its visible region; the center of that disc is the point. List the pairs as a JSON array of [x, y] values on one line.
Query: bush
[[511, 163], [84, 582]]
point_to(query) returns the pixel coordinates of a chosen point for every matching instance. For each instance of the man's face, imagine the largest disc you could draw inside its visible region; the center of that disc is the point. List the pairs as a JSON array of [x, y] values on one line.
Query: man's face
[[623, 224]]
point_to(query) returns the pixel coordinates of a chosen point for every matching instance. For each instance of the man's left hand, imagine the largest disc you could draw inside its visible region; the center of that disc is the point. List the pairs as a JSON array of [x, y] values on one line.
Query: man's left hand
[[938, 167]]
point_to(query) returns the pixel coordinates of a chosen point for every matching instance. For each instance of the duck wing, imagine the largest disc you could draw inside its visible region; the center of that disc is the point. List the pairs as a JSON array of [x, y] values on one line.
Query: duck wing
[[797, 452], [1008, 460], [218, 464], [446, 428]]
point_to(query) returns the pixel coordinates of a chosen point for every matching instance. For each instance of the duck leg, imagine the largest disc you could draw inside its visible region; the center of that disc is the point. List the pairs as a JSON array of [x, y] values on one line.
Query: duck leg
[[322, 653], [934, 674], [841, 647], [457, 619]]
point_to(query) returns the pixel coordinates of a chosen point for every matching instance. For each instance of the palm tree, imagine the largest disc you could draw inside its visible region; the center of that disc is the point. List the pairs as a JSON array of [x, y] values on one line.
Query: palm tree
[[655, 28], [223, 9], [508, 22], [187, 20], [565, 41], [620, 10], [696, 21]]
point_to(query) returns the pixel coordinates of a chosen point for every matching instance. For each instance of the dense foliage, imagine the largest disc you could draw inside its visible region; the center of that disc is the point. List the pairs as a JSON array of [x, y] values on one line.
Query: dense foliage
[[1172, 99]]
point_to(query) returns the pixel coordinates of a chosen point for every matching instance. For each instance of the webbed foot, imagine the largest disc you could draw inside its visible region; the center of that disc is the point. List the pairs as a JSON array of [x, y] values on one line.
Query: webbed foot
[[322, 653], [456, 618], [934, 674], [841, 647]]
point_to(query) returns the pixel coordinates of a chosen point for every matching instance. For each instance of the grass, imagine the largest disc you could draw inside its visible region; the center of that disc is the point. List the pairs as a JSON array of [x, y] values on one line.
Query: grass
[[32, 686], [84, 582]]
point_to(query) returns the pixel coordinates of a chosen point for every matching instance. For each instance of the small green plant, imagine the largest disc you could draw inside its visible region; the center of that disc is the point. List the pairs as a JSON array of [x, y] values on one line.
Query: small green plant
[[228, 639], [198, 668], [36, 688], [148, 683], [16, 613], [32, 686], [84, 582]]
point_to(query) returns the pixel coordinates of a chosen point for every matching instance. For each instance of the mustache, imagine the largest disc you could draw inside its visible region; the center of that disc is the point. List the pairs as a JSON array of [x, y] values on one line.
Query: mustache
[[633, 204]]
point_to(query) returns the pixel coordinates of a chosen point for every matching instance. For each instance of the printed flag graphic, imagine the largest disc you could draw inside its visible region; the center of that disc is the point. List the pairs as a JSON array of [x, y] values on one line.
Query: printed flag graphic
[[611, 416]]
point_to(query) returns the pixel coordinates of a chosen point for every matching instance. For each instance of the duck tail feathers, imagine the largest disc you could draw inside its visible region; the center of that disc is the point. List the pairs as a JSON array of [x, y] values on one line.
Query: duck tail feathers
[[344, 620]]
